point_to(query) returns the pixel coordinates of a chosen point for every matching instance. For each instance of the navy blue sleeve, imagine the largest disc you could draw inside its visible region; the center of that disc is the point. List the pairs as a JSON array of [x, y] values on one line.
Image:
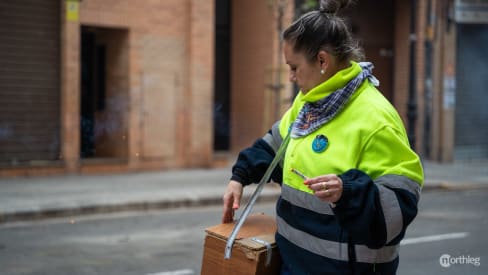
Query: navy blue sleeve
[[373, 213], [252, 163]]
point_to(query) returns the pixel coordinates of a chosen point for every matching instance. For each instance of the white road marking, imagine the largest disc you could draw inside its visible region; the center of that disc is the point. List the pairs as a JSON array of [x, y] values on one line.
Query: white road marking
[[434, 238], [175, 272]]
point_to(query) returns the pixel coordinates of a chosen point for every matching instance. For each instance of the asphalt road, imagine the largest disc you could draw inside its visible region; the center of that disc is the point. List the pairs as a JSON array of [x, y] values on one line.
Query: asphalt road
[[171, 242]]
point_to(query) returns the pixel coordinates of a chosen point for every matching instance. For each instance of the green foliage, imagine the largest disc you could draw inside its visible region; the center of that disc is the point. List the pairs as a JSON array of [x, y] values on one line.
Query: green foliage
[[308, 5], [304, 6]]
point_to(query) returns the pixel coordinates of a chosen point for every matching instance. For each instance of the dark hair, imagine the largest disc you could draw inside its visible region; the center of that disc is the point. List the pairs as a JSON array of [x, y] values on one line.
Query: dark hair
[[324, 30]]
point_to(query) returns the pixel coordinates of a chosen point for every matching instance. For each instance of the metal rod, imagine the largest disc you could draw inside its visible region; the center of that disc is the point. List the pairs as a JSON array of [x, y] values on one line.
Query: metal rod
[[247, 210]]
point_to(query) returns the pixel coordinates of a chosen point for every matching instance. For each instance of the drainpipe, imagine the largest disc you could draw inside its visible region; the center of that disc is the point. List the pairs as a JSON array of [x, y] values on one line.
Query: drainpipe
[[278, 86], [412, 95], [428, 97]]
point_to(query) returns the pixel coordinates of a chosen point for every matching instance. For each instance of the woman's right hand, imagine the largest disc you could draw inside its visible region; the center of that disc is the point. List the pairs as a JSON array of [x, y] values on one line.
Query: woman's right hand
[[232, 199]]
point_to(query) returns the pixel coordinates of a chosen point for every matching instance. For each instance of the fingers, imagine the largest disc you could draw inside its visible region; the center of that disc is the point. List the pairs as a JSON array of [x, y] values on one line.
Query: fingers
[[229, 206], [323, 185], [231, 200], [323, 178], [327, 187], [237, 201], [228, 212], [329, 195]]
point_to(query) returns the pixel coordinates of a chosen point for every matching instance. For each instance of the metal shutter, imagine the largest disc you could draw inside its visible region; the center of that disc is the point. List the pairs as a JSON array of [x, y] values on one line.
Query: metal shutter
[[471, 126], [29, 81]]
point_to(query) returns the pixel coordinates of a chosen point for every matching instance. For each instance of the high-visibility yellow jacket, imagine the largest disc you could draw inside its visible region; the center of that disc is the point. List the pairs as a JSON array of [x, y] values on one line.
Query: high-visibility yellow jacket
[[382, 177]]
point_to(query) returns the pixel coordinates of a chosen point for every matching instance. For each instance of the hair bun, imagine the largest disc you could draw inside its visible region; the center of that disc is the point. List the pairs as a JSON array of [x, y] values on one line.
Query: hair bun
[[332, 6]]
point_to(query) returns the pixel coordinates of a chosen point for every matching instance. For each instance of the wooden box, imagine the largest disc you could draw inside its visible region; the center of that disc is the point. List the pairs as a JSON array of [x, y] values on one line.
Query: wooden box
[[249, 253]]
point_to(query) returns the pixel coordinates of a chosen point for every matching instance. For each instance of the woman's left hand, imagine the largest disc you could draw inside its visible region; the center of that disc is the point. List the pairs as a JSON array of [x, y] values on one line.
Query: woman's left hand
[[327, 187]]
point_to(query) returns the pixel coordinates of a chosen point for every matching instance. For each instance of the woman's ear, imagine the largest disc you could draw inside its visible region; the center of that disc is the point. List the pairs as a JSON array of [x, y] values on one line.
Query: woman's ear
[[324, 59]]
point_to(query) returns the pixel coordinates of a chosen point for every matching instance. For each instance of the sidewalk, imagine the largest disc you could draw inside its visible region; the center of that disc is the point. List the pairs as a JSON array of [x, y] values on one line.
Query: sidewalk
[[68, 195]]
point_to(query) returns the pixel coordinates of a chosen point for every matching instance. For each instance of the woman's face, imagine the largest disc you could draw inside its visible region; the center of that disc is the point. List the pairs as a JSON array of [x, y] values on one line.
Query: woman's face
[[305, 74]]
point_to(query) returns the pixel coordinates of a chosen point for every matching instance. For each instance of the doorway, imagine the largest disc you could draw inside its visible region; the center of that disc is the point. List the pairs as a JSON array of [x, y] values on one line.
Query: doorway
[[221, 112], [366, 18], [92, 89], [104, 93]]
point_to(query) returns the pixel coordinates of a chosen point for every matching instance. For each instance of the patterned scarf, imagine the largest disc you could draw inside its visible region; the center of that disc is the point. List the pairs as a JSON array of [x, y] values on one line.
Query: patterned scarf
[[315, 114]]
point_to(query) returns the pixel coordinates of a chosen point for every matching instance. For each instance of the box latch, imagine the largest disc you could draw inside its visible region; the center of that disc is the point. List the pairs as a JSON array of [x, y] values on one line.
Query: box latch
[[269, 250]]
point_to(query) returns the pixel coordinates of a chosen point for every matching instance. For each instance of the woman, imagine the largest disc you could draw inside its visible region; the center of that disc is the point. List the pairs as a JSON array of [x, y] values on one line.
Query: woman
[[350, 182]]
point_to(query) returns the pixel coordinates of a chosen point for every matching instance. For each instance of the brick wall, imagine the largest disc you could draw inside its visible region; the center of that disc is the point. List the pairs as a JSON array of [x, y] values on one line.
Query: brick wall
[[251, 59], [159, 81], [402, 83], [402, 61], [254, 59]]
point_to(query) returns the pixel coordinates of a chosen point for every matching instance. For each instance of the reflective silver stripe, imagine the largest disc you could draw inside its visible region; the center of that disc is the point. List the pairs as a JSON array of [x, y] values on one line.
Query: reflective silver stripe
[[389, 201], [305, 200], [271, 142], [275, 131], [400, 182], [383, 255], [391, 211], [325, 248], [274, 139], [335, 250]]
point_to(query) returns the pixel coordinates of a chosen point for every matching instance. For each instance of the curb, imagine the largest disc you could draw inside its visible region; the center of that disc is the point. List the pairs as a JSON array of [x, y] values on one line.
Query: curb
[[36, 215], [451, 186]]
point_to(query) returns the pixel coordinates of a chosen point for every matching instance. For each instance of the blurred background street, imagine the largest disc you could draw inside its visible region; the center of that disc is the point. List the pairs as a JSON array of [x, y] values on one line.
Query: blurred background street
[[119, 123]]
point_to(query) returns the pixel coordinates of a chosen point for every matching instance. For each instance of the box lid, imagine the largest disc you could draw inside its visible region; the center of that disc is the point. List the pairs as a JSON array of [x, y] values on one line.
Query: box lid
[[260, 226]]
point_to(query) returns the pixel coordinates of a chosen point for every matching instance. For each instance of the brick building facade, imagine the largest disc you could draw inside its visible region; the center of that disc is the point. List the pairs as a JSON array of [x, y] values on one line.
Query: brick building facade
[[114, 86]]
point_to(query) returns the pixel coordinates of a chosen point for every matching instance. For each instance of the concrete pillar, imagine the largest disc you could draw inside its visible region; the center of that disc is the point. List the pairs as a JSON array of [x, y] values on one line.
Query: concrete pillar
[[448, 94], [70, 86], [201, 64], [444, 44]]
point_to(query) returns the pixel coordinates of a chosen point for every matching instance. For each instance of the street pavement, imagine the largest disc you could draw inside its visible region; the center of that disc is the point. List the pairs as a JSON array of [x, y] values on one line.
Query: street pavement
[[29, 198]]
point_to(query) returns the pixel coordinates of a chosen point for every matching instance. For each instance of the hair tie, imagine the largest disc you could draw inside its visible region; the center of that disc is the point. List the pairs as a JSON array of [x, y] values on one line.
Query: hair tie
[[322, 10]]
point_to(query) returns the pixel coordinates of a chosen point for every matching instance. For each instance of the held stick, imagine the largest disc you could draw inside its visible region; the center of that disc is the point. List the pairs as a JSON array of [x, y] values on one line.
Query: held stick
[[279, 155]]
